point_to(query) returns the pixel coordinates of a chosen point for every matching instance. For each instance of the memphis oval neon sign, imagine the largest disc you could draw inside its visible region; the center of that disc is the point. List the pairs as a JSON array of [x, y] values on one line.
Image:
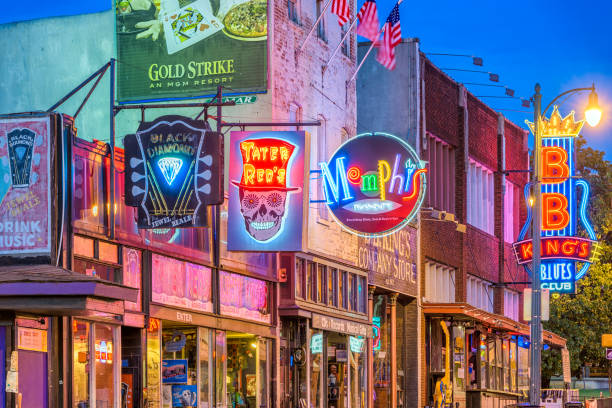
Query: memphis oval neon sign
[[374, 184]]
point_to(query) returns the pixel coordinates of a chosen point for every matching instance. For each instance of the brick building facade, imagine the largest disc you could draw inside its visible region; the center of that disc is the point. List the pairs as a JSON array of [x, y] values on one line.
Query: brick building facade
[[471, 284]]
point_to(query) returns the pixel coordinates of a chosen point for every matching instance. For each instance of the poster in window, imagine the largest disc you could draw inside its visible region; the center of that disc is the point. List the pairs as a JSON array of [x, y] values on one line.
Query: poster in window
[[186, 48], [184, 395], [174, 371]]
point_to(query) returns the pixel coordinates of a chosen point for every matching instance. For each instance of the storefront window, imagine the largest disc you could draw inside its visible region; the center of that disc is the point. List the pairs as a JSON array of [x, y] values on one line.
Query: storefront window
[[483, 360], [105, 378], [506, 365], [263, 356], [205, 367], [153, 392], [492, 362], [458, 360], [337, 371], [382, 353], [80, 364], [179, 365], [220, 360], [513, 358], [316, 369], [473, 363], [241, 370], [359, 372]]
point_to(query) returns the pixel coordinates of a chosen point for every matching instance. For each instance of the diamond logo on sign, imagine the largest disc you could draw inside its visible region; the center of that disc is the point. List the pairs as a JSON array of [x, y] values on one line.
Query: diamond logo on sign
[[170, 167], [173, 171]]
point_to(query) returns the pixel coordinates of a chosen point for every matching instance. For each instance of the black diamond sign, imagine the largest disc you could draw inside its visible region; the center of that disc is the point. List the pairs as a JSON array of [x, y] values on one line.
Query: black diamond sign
[[173, 170]]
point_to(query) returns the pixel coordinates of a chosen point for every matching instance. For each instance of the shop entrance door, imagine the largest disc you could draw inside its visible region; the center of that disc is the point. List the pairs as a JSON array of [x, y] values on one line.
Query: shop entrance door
[[32, 363], [95, 372]]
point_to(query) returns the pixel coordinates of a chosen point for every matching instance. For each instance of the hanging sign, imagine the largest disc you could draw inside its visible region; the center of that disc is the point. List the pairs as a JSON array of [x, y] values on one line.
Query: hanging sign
[[374, 184], [173, 171], [179, 49], [567, 246], [25, 192], [266, 171]]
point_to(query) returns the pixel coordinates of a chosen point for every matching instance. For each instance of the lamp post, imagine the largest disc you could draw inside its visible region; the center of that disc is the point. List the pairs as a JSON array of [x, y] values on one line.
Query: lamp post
[[593, 115]]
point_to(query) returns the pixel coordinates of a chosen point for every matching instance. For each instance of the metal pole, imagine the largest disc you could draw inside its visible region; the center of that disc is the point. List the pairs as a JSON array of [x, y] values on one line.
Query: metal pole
[[299, 51], [112, 148], [536, 228], [340, 44], [382, 30]]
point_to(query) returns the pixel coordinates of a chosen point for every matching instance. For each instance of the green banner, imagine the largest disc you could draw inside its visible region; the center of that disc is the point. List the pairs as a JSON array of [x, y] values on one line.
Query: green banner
[[186, 48]]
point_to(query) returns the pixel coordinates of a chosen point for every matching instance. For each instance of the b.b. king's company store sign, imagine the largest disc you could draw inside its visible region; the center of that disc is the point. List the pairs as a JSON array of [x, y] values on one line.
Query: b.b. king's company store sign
[[173, 169], [568, 245], [374, 184], [25, 172]]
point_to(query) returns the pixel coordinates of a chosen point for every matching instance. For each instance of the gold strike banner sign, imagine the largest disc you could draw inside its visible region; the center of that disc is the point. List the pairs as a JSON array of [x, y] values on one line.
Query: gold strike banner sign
[[186, 48]]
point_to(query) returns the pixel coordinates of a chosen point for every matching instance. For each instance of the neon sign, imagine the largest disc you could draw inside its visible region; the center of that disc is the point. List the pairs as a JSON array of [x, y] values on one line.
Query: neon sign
[[172, 172], [266, 199], [568, 245], [374, 184]]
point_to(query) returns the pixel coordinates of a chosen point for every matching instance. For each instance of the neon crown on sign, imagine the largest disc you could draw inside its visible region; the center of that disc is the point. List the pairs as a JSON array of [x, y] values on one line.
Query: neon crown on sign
[[557, 126]]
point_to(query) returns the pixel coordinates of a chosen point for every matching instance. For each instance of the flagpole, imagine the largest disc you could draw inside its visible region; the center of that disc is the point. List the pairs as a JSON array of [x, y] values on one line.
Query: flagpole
[[340, 44], [299, 51], [382, 30]]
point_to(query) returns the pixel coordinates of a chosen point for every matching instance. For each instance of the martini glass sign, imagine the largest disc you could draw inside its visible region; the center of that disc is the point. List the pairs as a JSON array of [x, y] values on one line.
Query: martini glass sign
[[374, 184]]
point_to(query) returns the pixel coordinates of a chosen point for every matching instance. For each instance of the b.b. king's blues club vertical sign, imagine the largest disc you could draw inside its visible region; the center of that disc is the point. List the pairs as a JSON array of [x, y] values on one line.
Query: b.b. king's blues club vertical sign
[[568, 245]]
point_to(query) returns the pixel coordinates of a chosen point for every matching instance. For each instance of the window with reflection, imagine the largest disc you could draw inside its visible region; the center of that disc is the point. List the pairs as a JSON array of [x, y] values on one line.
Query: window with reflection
[[332, 284], [299, 278], [88, 182], [321, 298], [310, 278], [317, 367]]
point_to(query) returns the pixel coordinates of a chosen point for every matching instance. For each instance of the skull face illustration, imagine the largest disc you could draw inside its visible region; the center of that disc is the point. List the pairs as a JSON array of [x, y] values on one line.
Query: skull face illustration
[[263, 212]]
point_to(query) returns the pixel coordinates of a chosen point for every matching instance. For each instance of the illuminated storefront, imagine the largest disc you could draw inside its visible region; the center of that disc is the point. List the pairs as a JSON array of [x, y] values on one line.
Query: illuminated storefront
[[325, 334], [479, 358]]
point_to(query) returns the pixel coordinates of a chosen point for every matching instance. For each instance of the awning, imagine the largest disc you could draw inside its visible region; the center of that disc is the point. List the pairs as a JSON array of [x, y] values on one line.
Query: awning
[[464, 311], [48, 290]]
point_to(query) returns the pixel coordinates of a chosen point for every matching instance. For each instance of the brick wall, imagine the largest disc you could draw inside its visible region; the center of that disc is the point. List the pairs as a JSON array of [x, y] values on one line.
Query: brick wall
[[441, 108], [298, 80], [483, 133]]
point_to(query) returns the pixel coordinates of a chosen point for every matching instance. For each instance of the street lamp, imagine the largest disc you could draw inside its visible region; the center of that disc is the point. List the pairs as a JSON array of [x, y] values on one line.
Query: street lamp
[[593, 116]]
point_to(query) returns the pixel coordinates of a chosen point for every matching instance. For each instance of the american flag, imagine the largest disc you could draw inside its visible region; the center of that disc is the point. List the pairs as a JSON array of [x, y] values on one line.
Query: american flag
[[368, 20], [391, 38], [341, 9]]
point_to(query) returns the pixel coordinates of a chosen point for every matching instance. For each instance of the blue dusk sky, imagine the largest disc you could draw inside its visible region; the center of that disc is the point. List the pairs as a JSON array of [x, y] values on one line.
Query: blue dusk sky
[[561, 45]]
